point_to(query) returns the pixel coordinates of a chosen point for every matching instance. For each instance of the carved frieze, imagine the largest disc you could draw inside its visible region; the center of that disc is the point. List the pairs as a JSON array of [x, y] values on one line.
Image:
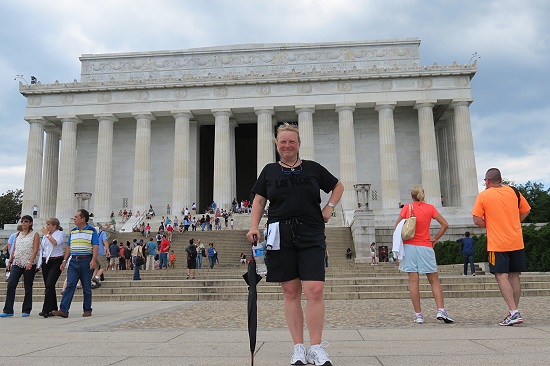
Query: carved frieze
[[263, 89], [67, 99], [180, 93], [386, 85], [34, 100], [344, 86], [462, 81], [304, 88], [104, 97], [220, 92], [425, 83], [242, 60]]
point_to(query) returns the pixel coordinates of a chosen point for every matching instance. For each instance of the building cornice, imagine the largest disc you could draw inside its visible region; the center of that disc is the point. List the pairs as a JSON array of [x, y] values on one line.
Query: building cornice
[[191, 81]]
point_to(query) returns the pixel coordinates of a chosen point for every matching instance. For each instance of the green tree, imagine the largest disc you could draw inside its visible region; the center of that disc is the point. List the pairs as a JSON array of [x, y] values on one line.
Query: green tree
[[10, 206], [539, 200]]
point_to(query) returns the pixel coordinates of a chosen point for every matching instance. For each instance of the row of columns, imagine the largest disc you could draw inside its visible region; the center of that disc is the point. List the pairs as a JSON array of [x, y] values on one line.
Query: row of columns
[[57, 181]]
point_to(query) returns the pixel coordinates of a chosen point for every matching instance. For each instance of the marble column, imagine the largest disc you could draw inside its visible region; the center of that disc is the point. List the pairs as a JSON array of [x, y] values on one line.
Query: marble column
[[50, 172], [305, 124], [65, 207], [181, 181], [222, 156], [266, 144], [348, 161], [142, 162], [104, 168], [33, 170], [232, 125], [429, 165], [465, 153], [389, 175]]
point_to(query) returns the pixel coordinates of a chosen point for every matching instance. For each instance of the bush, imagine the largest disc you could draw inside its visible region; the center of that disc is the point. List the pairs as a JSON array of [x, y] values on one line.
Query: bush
[[536, 248]]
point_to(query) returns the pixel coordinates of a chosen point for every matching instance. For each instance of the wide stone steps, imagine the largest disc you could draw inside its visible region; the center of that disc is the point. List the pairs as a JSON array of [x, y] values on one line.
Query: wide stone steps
[[345, 280], [174, 287]]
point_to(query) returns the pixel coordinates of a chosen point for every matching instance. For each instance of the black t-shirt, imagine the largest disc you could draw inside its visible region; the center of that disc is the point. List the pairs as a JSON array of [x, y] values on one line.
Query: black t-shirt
[[191, 251], [295, 194]]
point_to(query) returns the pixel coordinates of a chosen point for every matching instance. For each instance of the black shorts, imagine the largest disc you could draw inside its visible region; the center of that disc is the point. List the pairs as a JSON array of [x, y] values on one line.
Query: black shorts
[[192, 263], [506, 262], [302, 255]]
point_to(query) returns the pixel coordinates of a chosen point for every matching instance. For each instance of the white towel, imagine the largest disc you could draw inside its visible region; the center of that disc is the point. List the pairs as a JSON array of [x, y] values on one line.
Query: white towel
[[397, 249], [273, 237]]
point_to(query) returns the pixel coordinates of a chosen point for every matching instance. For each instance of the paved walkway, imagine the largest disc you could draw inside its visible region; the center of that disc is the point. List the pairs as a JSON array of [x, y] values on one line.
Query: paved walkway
[[360, 332]]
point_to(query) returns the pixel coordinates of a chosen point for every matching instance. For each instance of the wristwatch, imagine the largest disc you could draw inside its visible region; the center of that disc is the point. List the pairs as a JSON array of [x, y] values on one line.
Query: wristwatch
[[330, 204]]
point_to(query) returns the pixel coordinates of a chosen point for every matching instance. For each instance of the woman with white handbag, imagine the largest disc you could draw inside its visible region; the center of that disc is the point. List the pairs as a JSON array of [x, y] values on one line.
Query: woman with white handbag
[[419, 256]]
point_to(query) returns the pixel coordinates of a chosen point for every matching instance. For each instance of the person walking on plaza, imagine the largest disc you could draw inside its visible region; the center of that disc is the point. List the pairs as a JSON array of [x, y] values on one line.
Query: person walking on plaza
[[467, 245], [419, 255], [22, 262], [82, 247], [501, 209], [296, 236], [52, 249]]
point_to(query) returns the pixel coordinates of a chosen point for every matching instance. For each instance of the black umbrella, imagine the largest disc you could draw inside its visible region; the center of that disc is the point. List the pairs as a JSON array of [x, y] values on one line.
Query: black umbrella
[[252, 279]]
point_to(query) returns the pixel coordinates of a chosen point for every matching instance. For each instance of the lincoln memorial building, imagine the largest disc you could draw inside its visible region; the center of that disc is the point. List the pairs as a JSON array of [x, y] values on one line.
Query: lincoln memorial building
[[197, 125]]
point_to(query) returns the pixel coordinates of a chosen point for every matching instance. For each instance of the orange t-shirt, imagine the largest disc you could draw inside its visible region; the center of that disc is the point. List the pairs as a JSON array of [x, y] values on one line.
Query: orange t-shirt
[[172, 257], [424, 213], [499, 207]]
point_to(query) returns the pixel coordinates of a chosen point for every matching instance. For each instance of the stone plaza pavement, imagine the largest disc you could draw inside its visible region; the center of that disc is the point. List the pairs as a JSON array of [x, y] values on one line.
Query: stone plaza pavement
[[360, 332]]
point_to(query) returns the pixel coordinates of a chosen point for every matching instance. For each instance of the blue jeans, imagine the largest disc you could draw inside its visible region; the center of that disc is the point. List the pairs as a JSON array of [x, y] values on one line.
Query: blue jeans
[[212, 261], [136, 270], [163, 260], [199, 260], [469, 258], [79, 269]]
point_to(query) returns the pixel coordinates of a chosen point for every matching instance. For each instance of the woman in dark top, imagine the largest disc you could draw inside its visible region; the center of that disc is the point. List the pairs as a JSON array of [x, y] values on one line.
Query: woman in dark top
[[296, 237]]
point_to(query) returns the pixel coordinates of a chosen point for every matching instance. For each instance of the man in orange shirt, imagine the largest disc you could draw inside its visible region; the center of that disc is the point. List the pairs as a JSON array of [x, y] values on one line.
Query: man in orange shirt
[[500, 209]]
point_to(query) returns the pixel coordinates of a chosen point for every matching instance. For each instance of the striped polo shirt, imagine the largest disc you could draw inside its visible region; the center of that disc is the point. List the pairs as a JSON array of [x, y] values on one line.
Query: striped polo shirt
[[81, 241]]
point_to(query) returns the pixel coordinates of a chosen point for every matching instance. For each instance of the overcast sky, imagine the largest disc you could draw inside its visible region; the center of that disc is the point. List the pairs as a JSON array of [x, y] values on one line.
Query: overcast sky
[[510, 113]]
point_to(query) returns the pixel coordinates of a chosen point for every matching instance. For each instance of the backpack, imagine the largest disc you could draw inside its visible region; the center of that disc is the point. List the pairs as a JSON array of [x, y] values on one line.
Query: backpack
[[192, 251]]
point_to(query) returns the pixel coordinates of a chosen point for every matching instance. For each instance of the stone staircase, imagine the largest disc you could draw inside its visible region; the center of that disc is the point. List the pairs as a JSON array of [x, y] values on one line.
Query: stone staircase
[[346, 280]]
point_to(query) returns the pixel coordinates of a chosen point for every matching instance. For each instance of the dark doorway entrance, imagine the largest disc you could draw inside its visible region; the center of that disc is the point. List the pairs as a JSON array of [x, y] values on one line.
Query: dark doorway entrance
[[246, 142], [206, 164], [245, 153]]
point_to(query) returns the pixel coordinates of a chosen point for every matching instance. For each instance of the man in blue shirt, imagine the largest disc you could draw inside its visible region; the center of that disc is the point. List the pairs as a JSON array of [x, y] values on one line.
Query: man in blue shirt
[[467, 244], [151, 247], [82, 247], [102, 261]]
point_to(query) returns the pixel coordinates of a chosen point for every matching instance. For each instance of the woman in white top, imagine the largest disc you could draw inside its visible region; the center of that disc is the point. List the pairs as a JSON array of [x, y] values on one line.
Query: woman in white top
[[22, 263], [52, 250]]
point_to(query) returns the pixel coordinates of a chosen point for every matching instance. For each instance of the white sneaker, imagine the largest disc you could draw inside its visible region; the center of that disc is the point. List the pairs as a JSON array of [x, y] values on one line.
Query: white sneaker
[[444, 315], [419, 318], [299, 356], [318, 356]]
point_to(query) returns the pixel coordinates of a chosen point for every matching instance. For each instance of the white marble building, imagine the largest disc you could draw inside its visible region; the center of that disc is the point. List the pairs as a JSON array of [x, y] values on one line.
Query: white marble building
[[177, 127]]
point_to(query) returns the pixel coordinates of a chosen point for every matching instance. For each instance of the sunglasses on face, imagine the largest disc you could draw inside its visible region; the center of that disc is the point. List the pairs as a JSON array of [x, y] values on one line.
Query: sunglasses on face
[[24, 221]]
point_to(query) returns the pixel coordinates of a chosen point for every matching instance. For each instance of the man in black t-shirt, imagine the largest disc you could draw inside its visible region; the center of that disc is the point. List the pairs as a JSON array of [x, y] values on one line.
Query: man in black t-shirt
[[191, 252]]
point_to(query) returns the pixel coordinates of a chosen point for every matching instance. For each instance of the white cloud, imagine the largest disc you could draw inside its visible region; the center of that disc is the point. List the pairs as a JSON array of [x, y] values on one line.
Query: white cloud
[[12, 178], [509, 116]]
